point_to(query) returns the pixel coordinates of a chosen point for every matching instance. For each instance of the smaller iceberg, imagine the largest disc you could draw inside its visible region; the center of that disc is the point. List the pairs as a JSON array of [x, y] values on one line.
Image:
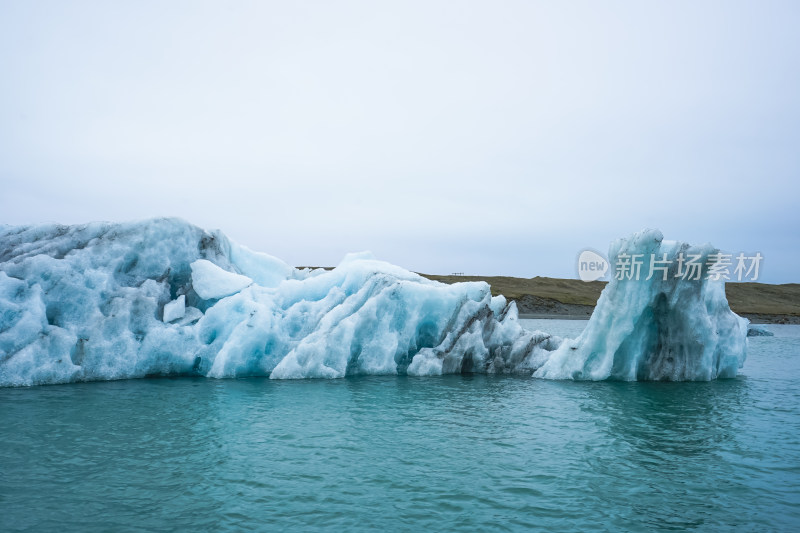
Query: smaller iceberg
[[665, 319], [755, 330]]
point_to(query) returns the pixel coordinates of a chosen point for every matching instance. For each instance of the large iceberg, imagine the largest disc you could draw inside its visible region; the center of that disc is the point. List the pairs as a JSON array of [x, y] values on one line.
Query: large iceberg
[[162, 297]]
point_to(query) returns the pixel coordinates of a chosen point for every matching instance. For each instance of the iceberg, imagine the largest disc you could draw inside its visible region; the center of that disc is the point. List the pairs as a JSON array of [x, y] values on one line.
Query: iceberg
[[105, 301], [668, 320]]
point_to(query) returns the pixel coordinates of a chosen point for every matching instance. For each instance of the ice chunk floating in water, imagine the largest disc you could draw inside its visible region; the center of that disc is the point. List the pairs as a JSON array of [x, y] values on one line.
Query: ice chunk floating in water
[[162, 297], [669, 327], [755, 330]]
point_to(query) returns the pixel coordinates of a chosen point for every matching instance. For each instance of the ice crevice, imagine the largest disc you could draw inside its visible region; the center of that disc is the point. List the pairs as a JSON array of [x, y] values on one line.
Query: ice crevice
[[107, 301]]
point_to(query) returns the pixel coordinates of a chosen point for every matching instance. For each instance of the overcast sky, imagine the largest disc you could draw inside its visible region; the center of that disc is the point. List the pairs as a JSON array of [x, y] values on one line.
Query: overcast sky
[[495, 138]]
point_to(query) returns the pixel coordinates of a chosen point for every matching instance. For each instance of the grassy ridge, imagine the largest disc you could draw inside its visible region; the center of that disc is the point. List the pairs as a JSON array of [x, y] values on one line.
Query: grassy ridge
[[744, 298]]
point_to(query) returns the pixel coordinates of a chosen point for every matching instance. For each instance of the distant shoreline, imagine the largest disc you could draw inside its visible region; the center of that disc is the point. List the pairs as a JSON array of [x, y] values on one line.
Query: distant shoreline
[[545, 316], [572, 299], [754, 319]]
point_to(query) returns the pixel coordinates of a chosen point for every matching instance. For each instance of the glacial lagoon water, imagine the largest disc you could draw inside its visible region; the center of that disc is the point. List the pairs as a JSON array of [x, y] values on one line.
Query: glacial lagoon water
[[464, 453]]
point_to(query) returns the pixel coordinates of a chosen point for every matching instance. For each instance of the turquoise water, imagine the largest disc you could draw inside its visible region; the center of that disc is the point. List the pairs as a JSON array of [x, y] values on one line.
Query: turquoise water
[[398, 453]]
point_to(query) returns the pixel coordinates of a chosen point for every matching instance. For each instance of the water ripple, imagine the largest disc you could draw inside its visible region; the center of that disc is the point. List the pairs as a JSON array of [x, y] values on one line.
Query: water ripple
[[400, 453]]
